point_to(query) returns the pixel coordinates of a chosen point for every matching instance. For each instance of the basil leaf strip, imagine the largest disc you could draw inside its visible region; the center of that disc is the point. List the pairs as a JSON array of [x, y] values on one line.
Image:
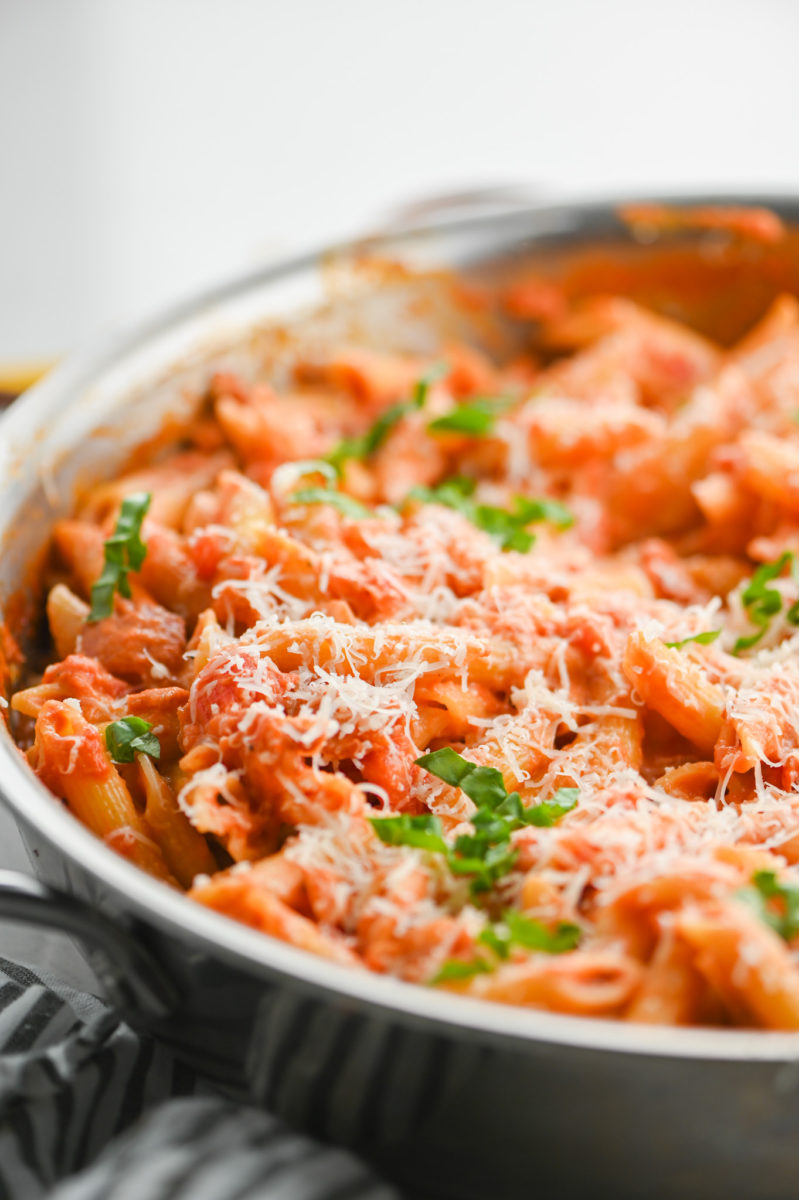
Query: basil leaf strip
[[474, 418], [544, 509], [506, 526], [514, 930], [423, 384], [348, 506], [423, 832], [548, 812], [762, 602], [783, 917], [124, 552], [533, 935], [364, 445], [130, 736], [456, 969], [486, 854], [703, 639], [484, 785]]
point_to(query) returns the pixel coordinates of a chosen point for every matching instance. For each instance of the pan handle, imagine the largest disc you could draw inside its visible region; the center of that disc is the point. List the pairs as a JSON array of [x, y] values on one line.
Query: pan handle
[[134, 981]]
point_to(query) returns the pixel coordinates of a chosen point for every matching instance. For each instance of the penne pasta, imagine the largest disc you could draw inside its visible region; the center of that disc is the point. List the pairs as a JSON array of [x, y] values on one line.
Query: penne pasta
[[185, 851], [745, 962], [69, 755], [66, 616], [480, 674], [676, 688]]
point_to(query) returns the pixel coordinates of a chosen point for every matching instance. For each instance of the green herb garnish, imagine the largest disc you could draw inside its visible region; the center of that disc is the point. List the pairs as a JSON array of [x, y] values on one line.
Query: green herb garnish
[[455, 492], [534, 935], [703, 639], [544, 509], [130, 736], [506, 526], [365, 444], [762, 602], [484, 785], [475, 417], [487, 854], [124, 552], [514, 930], [549, 812], [421, 388], [456, 969], [347, 505], [423, 832], [782, 916], [315, 466]]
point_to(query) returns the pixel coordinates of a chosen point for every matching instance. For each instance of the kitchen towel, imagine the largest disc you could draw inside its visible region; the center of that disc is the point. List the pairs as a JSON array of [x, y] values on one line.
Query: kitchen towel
[[92, 1110]]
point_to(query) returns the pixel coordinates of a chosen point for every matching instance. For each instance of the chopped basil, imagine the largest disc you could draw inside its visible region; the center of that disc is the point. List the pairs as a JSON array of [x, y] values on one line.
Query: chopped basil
[[365, 444], [534, 935], [423, 832], [506, 526], [348, 506], [486, 861], [455, 969], [549, 811], [425, 381], [314, 466], [130, 736], [514, 930], [544, 509], [351, 447], [782, 916], [475, 417], [124, 552], [455, 492], [703, 639], [497, 938], [762, 602], [486, 854], [484, 785]]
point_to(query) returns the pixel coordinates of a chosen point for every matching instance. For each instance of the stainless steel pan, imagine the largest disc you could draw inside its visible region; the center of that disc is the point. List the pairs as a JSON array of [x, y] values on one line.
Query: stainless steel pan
[[447, 1094]]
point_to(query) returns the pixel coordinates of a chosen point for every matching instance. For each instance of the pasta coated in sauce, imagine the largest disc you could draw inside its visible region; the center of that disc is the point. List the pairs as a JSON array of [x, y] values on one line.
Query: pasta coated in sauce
[[483, 676]]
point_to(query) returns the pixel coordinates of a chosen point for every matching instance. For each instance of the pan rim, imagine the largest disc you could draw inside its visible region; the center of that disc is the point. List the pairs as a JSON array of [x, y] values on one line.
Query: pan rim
[[253, 952]]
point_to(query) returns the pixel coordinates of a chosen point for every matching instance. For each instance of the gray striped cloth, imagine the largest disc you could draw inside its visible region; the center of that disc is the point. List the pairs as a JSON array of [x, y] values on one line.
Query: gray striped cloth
[[91, 1110]]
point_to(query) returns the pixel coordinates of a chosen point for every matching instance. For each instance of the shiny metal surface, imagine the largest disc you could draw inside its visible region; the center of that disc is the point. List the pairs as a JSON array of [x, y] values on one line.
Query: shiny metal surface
[[134, 982], [464, 1098]]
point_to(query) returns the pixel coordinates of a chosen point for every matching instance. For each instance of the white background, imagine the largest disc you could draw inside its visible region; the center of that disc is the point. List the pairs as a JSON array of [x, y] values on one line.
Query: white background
[[148, 147]]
